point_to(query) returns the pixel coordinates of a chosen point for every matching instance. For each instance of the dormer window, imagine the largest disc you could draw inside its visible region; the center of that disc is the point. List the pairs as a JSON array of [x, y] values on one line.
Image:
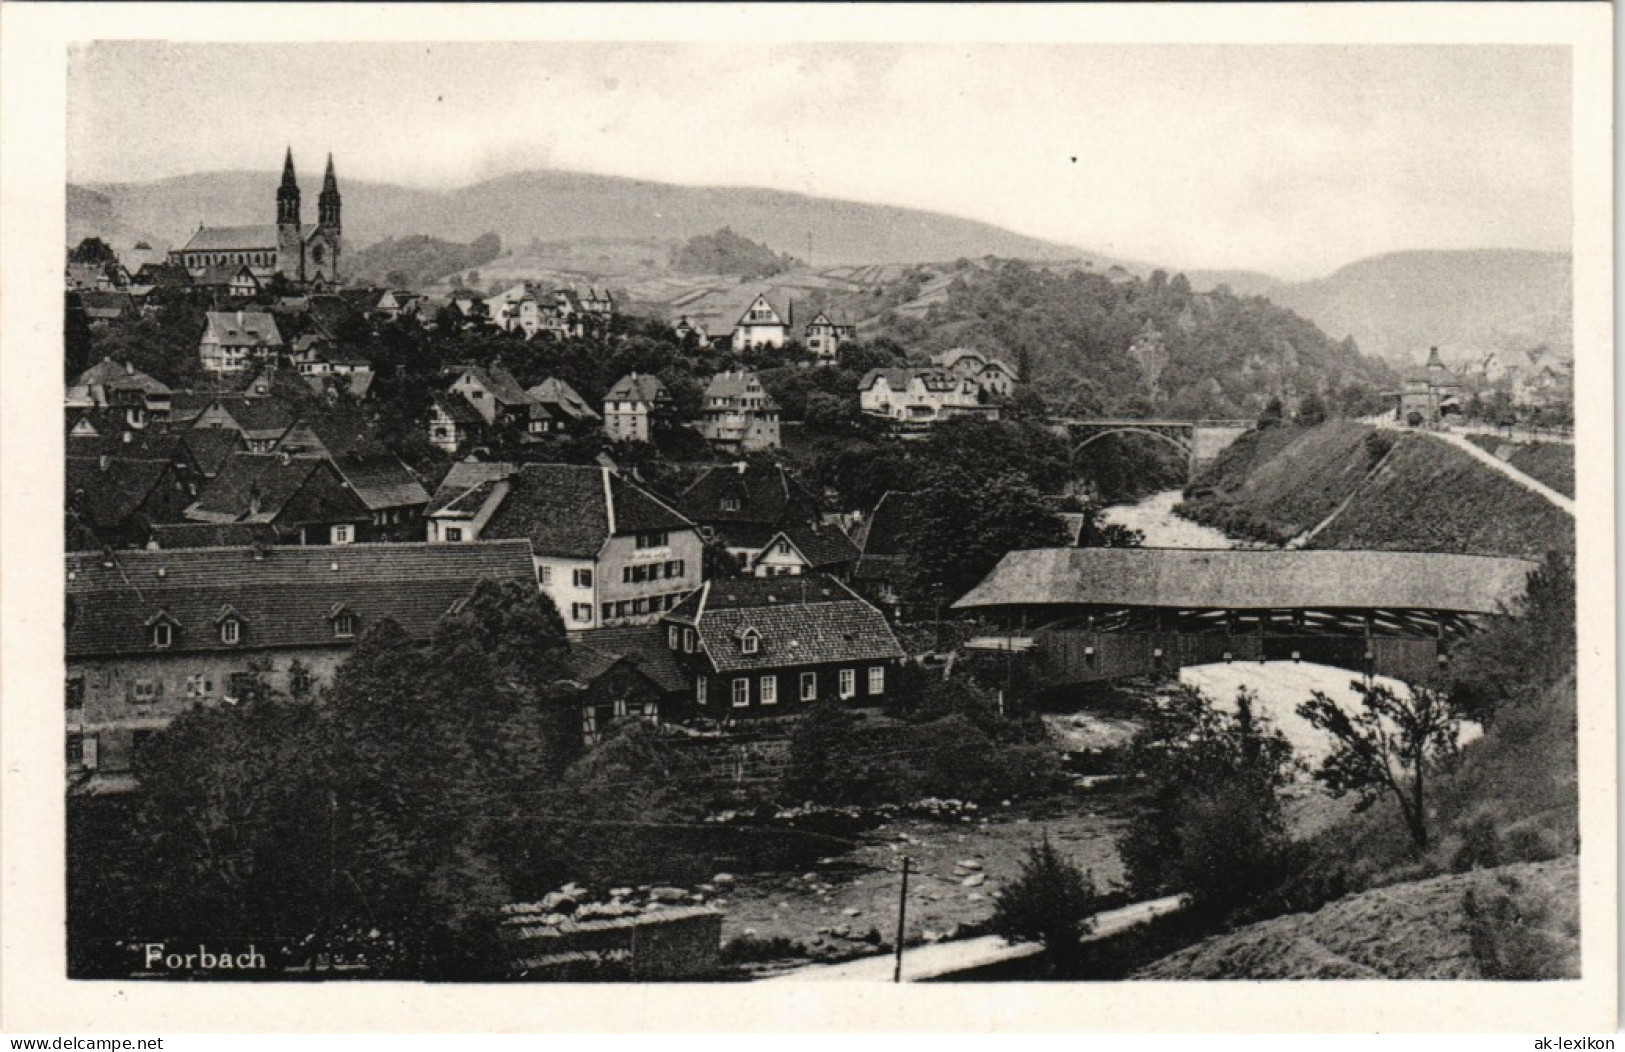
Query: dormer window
[[750, 641], [342, 619], [231, 630], [730, 503], [163, 634]]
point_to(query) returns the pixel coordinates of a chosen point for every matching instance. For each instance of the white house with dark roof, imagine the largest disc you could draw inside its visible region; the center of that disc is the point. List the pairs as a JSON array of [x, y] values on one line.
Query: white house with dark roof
[[607, 551], [738, 414], [236, 341], [756, 646], [150, 634], [916, 396], [761, 326], [806, 549], [633, 406], [993, 375], [824, 336]]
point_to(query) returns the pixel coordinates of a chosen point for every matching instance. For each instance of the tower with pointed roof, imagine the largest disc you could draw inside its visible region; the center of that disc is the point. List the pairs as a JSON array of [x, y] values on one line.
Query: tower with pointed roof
[[290, 242], [324, 250]]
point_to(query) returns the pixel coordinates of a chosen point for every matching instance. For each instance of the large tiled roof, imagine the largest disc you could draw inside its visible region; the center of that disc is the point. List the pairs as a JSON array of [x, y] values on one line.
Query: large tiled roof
[[243, 327], [568, 509], [211, 447], [258, 416], [259, 237], [644, 645], [898, 379], [500, 382], [809, 620], [1251, 580], [553, 391], [276, 481], [146, 444], [464, 475], [457, 408], [820, 545], [214, 534], [287, 597], [768, 495], [110, 374], [103, 498], [638, 387], [106, 304], [737, 384], [880, 537], [380, 479]]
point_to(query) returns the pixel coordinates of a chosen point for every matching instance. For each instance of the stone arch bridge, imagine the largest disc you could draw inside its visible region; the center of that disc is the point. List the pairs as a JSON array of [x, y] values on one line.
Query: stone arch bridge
[[1199, 440]]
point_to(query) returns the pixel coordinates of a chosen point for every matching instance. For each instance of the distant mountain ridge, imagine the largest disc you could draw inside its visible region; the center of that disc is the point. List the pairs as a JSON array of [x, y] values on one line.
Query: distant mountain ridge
[[1399, 304], [559, 206]]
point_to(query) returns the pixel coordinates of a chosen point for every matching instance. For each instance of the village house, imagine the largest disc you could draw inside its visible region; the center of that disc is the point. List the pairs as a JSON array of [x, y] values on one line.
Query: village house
[[991, 374], [105, 308], [607, 552], [151, 634], [917, 397], [744, 505], [465, 500], [304, 499], [564, 401], [115, 501], [738, 414], [454, 424], [236, 341], [394, 496], [261, 421], [824, 337], [634, 407], [494, 394], [1429, 394], [623, 673], [139, 398], [882, 560], [800, 551], [756, 646], [761, 326]]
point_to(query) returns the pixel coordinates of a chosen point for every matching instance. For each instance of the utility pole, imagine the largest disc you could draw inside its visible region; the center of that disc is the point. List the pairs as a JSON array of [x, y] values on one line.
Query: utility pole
[[902, 915]]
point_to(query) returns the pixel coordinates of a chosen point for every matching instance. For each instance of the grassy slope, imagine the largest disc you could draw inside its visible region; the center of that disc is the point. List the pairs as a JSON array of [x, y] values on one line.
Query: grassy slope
[[1275, 484], [1431, 497], [1548, 462], [1409, 931]]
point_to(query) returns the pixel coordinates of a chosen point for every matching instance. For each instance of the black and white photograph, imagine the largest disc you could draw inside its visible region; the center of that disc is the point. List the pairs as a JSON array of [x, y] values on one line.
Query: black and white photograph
[[675, 508]]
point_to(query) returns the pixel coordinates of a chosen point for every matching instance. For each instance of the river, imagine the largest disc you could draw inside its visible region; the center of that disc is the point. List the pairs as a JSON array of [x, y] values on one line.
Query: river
[[1154, 517]]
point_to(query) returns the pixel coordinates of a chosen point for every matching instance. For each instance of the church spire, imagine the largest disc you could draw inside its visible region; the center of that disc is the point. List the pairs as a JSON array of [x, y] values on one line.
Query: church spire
[[287, 195], [327, 204]]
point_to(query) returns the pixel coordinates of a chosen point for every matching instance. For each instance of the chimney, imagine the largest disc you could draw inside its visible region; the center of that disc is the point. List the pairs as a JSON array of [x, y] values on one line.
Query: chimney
[[103, 462], [128, 436], [239, 319], [129, 368], [254, 499]]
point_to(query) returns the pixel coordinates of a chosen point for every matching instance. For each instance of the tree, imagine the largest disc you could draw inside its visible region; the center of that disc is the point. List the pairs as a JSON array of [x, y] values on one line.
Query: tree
[[92, 250], [1272, 415], [1515, 659], [1390, 746], [962, 526], [1311, 410], [1214, 827], [1051, 901]]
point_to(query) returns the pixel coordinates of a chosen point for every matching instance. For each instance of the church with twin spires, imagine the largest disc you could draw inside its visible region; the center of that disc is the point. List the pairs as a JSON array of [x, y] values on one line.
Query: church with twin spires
[[304, 254]]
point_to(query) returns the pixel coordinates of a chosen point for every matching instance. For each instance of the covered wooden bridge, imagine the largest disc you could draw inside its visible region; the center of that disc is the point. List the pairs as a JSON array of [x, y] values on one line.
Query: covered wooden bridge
[[1105, 613]]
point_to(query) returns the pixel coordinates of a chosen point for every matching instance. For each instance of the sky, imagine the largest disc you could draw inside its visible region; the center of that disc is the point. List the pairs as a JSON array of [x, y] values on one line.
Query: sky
[[1292, 160]]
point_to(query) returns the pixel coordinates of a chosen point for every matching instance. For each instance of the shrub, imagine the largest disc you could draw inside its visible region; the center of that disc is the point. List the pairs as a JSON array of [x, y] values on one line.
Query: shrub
[[1510, 933], [1052, 902], [746, 949]]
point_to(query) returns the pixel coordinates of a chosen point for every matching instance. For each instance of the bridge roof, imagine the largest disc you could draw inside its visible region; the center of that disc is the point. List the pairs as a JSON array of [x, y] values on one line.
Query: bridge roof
[[1194, 579]]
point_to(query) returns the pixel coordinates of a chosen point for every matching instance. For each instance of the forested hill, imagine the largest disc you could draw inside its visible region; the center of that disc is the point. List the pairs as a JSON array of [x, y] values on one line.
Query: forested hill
[[1099, 343], [410, 262]]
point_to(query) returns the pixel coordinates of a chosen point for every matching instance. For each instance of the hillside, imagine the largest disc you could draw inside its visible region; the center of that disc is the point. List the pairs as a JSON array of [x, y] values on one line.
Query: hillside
[[418, 260], [1276, 484], [1428, 496], [1400, 304], [563, 206], [1102, 340], [1396, 491], [1419, 930]]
